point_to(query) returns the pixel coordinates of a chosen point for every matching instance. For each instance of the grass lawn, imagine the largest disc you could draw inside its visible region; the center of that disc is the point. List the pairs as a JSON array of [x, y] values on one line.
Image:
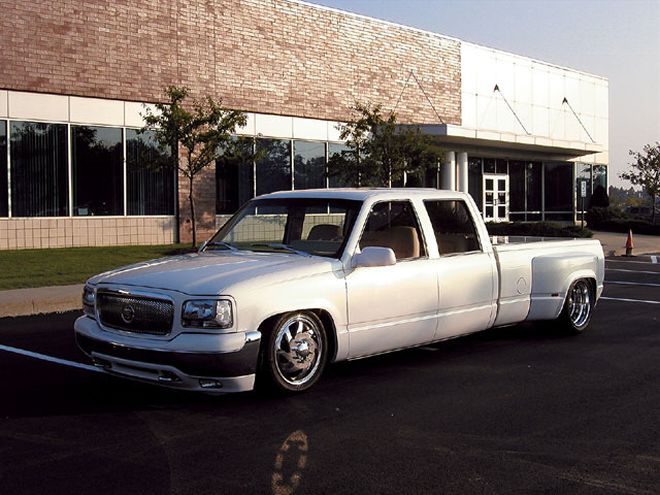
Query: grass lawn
[[43, 267]]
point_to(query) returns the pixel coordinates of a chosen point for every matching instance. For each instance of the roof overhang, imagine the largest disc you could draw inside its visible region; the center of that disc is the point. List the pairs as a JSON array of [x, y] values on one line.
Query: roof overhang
[[462, 138]]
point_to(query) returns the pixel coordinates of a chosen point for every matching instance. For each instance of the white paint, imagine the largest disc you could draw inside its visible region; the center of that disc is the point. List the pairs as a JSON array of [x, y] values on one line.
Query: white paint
[[310, 129], [629, 300], [631, 271], [639, 284], [535, 91], [133, 112], [274, 126], [50, 359], [96, 111], [3, 103], [38, 106], [654, 259]]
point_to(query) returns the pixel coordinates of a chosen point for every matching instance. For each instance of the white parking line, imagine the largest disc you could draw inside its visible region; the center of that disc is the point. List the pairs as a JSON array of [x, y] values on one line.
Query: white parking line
[[639, 284], [50, 359], [636, 262], [654, 259], [631, 271], [629, 300]]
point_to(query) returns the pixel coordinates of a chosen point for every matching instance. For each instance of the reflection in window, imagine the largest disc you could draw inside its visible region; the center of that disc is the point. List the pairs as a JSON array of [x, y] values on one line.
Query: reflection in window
[[273, 165], [234, 176], [309, 164], [97, 171], [517, 186], [335, 153], [39, 175], [558, 187], [474, 180], [534, 177], [149, 176], [4, 210]]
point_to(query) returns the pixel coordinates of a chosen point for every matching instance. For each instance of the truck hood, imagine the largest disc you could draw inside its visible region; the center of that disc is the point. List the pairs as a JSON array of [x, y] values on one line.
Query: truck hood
[[210, 273]]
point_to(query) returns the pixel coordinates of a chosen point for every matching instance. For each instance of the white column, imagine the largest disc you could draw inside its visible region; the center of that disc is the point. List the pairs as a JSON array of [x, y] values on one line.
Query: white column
[[448, 172], [463, 171]]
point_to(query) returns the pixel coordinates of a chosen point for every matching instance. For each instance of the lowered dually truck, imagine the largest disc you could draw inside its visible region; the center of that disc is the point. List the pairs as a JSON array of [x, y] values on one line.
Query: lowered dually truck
[[296, 280]]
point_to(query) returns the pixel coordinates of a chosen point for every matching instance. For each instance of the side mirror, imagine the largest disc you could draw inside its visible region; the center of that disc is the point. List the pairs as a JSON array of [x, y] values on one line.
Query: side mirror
[[374, 256], [202, 246]]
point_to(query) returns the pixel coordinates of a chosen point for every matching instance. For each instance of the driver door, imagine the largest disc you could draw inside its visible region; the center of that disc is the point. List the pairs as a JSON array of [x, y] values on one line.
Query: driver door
[[391, 307]]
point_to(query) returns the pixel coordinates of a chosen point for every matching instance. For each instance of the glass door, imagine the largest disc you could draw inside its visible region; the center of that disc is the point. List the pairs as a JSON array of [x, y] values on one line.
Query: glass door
[[496, 197]]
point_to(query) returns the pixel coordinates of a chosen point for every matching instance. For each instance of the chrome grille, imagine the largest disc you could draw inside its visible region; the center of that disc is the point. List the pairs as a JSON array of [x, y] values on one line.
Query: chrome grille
[[135, 314]]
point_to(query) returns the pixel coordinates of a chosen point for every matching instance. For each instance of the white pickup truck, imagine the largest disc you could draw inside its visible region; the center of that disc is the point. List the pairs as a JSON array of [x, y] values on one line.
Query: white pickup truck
[[296, 280]]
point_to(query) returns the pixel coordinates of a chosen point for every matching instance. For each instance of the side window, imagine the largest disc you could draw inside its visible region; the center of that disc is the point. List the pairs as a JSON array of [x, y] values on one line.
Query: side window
[[453, 226], [393, 224]]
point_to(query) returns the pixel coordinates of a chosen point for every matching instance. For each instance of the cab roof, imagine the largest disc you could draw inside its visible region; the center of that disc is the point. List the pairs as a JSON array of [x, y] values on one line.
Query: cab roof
[[362, 194]]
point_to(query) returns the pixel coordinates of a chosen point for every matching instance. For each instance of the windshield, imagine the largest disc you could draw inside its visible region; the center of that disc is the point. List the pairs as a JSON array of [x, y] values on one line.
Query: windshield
[[317, 227]]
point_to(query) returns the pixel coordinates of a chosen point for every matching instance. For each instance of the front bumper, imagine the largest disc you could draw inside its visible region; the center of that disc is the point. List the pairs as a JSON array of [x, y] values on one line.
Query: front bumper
[[215, 363]]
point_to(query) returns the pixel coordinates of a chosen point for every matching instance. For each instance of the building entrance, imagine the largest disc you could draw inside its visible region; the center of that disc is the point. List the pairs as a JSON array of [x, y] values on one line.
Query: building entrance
[[496, 197]]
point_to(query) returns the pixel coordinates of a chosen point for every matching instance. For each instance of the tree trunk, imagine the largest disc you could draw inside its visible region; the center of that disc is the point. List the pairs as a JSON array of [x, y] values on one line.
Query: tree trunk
[[192, 212]]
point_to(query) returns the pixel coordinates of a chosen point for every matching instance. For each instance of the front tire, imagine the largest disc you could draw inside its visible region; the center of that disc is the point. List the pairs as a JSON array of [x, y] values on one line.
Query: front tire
[[295, 352], [578, 307]]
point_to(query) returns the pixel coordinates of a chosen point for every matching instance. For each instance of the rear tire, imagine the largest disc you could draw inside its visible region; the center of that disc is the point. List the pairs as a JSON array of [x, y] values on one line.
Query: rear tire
[[578, 307], [294, 354]]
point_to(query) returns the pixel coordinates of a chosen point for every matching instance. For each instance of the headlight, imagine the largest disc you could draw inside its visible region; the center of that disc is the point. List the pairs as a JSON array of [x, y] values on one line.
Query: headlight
[[207, 313], [89, 301]]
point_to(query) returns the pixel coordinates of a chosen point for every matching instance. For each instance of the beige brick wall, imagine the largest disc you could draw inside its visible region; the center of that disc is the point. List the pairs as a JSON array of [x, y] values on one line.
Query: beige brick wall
[[269, 56], [34, 233]]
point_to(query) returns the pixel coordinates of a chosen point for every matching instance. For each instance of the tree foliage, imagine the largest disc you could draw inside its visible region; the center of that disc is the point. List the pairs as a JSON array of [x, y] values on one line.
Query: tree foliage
[[644, 171], [203, 129], [380, 151]]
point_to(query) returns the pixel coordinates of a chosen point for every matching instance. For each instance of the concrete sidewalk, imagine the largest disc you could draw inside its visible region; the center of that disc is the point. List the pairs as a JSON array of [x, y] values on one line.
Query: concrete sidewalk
[[56, 299], [22, 302], [614, 244]]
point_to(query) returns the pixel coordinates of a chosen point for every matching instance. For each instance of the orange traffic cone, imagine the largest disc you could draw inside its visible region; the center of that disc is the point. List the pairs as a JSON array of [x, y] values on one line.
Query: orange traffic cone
[[629, 243]]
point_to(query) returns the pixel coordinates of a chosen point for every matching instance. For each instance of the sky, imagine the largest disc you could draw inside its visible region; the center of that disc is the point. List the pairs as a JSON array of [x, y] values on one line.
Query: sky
[[617, 39]]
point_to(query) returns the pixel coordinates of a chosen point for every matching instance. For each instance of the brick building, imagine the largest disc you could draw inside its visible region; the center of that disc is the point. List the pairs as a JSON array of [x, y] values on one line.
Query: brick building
[[523, 135]]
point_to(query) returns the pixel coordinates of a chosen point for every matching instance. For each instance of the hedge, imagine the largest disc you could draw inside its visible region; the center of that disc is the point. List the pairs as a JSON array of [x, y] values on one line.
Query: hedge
[[537, 229]]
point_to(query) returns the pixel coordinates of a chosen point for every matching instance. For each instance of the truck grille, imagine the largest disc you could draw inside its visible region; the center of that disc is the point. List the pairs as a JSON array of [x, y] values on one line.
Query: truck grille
[[135, 314]]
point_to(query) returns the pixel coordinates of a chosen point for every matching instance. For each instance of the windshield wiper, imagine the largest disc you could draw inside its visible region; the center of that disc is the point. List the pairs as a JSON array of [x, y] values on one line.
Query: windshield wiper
[[225, 245], [284, 247]]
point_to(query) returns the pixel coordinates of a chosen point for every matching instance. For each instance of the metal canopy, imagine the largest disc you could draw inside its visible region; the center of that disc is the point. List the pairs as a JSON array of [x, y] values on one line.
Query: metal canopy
[[508, 144]]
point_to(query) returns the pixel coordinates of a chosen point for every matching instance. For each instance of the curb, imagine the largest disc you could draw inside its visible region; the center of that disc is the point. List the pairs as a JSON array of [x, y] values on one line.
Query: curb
[[26, 302]]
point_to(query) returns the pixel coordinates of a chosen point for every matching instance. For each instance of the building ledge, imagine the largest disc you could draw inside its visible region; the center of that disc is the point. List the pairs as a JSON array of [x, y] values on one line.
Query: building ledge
[[559, 149]]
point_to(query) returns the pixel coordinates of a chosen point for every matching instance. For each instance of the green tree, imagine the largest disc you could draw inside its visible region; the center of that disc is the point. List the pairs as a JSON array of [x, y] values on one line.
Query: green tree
[[203, 130], [644, 171], [380, 151]]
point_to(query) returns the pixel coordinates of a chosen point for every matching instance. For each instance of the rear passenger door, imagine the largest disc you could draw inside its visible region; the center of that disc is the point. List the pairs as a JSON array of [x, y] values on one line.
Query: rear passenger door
[[466, 272], [390, 307]]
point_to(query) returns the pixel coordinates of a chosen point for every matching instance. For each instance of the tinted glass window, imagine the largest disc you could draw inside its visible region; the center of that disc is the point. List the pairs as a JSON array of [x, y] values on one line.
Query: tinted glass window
[[474, 180], [453, 226], [149, 175], [234, 176], [393, 224], [289, 225], [98, 182], [335, 153], [309, 164], [273, 165], [517, 186], [3, 170], [558, 187], [39, 170], [534, 180]]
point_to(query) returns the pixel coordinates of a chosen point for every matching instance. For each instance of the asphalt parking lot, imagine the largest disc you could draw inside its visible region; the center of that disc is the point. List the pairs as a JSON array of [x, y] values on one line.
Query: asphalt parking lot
[[513, 410]]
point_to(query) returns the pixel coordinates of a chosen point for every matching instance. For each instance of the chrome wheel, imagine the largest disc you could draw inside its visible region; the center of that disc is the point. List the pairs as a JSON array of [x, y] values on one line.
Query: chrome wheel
[[579, 304], [298, 350]]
